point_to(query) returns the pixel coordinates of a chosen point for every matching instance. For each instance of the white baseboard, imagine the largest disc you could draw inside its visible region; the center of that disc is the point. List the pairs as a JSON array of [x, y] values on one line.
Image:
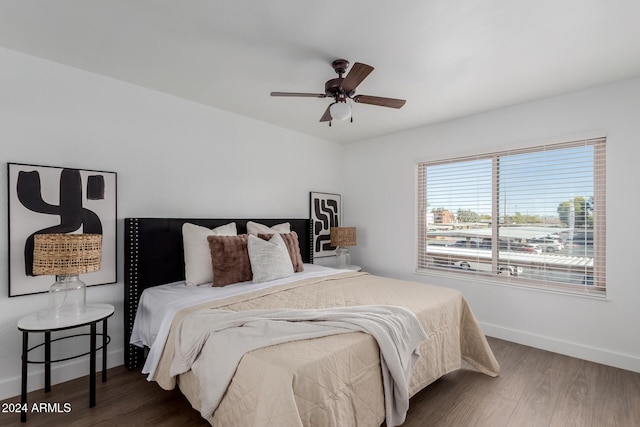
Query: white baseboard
[[60, 372], [580, 351]]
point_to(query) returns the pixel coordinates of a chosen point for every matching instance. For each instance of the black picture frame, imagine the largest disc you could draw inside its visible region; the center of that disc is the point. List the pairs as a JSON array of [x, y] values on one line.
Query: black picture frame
[[325, 210], [52, 199]]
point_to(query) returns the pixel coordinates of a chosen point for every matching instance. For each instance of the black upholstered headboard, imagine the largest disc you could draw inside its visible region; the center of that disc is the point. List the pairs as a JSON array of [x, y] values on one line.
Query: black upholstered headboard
[[154, 255]]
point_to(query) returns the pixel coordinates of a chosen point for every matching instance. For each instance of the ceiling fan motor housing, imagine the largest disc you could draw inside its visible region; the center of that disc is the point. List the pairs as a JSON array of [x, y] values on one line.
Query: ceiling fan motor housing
[[333, 88]]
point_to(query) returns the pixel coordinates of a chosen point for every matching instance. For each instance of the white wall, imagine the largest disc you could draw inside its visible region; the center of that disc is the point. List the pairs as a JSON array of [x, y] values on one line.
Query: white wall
[[379, 197], [173, 158]]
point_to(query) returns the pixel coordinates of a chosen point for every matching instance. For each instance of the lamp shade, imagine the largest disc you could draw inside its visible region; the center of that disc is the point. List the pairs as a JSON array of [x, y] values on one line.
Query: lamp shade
[[343, 236], [66, 254], [340, 111]]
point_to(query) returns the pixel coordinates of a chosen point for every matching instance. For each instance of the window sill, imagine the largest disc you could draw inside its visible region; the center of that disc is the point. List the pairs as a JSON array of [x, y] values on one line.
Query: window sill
[[514, 283]]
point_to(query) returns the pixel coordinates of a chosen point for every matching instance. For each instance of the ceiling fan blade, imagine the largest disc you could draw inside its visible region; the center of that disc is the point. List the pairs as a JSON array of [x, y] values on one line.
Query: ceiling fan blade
[[380, 101], [300, 94], [326, 117], [358, 73]]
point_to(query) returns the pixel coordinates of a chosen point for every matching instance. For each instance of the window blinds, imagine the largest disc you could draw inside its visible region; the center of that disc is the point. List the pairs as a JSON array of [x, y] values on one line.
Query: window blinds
[[532, 216]]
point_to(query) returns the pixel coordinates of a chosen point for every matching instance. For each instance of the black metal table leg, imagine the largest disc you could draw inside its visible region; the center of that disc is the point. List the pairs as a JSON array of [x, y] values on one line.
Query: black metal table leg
[[47, 362], [92, 368], [104, 350], [23, 397]]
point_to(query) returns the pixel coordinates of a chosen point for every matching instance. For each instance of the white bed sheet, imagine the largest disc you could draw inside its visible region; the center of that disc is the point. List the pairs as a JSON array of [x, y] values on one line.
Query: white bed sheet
[[159, 304]]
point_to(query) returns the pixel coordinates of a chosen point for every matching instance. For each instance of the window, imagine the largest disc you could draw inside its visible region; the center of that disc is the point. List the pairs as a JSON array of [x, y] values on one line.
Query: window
[[532, 217]]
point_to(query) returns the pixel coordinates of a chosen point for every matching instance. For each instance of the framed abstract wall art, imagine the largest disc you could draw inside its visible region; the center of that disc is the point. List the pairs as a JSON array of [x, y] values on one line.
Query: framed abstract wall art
[[48, 199], [325, 211]]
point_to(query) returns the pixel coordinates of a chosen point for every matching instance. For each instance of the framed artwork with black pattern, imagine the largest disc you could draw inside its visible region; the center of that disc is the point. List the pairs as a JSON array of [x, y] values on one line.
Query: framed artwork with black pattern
[[325, 212], [50, 199]]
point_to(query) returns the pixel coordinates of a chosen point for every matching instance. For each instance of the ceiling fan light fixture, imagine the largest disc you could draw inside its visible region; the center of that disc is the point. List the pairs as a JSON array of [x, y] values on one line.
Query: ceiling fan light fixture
[[340, 111]]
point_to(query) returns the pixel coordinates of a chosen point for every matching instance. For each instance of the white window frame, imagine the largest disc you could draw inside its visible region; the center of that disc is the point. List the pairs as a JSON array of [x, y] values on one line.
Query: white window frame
[[594, 283]]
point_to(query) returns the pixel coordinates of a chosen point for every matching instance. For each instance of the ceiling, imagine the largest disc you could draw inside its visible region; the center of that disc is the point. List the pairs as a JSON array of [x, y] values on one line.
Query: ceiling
[[448, 59]]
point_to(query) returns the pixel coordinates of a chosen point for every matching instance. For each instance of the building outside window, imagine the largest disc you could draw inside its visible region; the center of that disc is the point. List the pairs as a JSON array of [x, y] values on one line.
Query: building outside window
[[528, 217]]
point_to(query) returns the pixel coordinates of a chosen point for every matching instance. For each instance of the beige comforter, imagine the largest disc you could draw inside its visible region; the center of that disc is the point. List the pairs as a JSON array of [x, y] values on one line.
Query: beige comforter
[[334, 380]]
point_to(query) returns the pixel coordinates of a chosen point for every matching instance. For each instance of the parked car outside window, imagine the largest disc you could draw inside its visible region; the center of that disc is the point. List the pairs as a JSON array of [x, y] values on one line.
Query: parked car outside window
[[473, 244], [529, 248], [509, 270], [547, 244]]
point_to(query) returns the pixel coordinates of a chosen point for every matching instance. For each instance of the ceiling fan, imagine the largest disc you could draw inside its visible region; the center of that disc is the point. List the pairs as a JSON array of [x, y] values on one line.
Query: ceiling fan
[[343, 88]]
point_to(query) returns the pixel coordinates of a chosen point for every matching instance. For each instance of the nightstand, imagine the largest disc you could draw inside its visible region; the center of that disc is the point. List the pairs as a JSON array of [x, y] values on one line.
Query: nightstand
[[39, 323]]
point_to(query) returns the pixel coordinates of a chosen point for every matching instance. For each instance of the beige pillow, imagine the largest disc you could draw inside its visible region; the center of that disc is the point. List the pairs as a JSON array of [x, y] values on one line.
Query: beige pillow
[[293, 246], [229, 259], [197, 257], [256, 228], [270, 260]]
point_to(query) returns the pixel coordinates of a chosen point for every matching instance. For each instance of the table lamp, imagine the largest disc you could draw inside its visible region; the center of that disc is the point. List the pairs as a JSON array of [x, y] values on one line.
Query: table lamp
[[341, 237], [66, 256]]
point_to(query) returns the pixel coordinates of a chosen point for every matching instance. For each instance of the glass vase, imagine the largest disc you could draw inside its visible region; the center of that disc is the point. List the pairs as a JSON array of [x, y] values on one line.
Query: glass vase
[[67, 296], [343, 257]]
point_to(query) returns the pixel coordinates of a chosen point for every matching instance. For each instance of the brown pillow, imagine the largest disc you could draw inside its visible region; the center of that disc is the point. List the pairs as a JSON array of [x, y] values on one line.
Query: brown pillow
[[229, 259], [291, 240]]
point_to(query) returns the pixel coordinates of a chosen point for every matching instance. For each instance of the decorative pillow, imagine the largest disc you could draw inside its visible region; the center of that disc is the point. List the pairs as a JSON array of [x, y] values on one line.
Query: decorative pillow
[[270, 260], [197, 257], [229, 259], [293, 247], [255, 228]]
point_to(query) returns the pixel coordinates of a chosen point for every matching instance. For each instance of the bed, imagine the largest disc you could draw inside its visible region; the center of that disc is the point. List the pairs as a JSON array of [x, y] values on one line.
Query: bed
[[333, 380]]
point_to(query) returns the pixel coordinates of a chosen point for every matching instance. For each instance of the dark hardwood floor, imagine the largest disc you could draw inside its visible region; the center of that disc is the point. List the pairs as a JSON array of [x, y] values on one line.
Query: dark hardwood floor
[[535, 388]]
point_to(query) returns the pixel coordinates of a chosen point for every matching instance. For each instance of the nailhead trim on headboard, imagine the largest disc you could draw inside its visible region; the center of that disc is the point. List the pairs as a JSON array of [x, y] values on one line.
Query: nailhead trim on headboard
[[132, 353], [310, 241]]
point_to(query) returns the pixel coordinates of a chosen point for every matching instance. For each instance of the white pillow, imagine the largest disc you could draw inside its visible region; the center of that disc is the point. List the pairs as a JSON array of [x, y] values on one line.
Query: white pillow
[[197, 255], [269, 260], [257, 228]]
